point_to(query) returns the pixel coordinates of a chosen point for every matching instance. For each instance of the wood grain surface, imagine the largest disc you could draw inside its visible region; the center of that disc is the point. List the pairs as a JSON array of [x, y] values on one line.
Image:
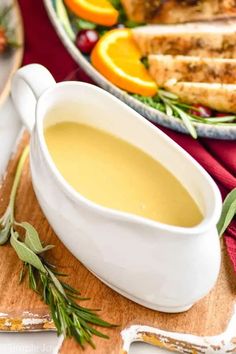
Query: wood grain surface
[[21, 309]]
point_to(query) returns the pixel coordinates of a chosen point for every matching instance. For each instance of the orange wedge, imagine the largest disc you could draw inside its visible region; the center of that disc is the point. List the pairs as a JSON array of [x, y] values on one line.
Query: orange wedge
[[97, 11], [117, 57]]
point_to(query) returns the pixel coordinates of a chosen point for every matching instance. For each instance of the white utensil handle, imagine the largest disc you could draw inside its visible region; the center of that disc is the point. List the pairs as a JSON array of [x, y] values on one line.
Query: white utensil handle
[[28, 84]]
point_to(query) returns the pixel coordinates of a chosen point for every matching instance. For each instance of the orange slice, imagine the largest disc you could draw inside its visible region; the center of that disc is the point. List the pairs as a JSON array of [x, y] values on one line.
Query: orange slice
[[117, 57], [97, 11]]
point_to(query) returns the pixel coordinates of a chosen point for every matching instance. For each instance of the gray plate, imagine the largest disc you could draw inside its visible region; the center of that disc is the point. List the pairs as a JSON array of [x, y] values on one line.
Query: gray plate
[[203, 130]]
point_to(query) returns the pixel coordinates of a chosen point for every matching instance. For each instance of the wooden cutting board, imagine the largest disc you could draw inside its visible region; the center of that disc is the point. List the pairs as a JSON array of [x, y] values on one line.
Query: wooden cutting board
[[22, 310]]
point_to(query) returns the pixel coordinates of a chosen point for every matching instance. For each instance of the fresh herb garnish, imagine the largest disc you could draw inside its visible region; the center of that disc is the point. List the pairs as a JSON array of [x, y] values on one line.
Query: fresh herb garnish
[[70, 318], [170, 104], [228, 212], [64, 19]]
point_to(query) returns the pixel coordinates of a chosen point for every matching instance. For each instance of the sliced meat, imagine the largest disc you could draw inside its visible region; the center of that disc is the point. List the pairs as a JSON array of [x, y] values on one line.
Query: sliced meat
[[215, 39], [177, 11], [220, 97], [193, 69]]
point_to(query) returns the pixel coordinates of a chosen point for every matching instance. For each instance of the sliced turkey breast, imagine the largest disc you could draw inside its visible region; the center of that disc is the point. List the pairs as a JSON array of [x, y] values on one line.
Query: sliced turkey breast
[[214, 39], [176, 11], [221, 97], [193, 69]]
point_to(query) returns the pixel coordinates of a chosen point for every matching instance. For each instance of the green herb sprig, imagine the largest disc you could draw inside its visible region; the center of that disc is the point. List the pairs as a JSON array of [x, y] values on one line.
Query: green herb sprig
[[228, 212], [170, 104], [70, 318]]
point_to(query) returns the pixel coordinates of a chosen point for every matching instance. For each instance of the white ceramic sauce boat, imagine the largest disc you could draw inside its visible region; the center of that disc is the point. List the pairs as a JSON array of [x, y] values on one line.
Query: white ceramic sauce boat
[[162, 267]]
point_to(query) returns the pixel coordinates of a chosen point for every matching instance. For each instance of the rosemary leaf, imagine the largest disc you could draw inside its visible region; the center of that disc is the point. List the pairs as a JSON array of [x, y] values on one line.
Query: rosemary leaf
[[169, 95], [169, 110], [71, 290], [97, 333], [63, 17], [50, 301], [228, 212], [217, 120], [187, 121], [32, 279], [22, 273]]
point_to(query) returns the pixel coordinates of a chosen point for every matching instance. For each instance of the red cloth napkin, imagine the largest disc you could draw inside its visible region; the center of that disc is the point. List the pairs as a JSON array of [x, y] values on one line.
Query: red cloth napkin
[[43, 46]]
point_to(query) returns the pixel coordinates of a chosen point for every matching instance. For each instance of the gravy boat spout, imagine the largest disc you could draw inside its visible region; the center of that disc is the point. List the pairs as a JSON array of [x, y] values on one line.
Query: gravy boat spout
[[163, 267]]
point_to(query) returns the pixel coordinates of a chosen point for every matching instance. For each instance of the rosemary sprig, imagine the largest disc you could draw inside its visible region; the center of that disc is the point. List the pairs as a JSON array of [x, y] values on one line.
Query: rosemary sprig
[[170, 104], [171, 101], [70, 318]]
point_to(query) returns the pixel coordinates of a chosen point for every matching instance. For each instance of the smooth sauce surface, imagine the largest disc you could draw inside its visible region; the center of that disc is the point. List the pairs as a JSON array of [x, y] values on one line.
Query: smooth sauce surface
[[116, 174]]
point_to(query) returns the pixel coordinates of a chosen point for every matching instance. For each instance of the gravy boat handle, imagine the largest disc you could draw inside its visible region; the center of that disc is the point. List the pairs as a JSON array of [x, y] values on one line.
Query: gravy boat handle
[[28, 84]]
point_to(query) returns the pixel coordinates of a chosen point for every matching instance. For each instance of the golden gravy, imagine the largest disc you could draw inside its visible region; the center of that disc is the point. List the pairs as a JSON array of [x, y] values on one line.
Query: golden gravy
[[116, 174]]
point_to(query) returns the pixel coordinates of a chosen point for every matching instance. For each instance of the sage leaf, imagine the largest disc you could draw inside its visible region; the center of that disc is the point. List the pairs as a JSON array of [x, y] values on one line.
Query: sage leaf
[[25, 253], [5, 232], [228, 212], [32, 239]]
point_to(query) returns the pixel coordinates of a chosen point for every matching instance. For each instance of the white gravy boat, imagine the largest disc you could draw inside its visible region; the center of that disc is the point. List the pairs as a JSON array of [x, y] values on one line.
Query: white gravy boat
[[162, 267]]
